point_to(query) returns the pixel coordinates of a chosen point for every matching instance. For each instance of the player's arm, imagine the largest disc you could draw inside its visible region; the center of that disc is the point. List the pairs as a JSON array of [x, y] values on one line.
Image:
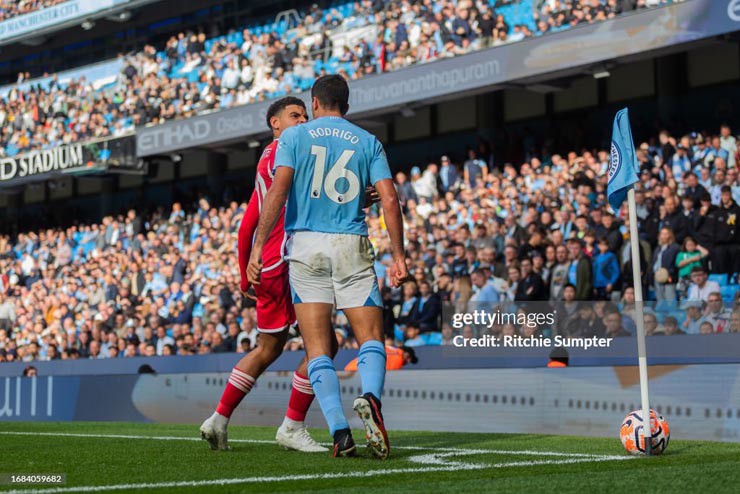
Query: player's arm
[[244, 240], [284, 165], [380, 177], [271, 208], [393, 219]]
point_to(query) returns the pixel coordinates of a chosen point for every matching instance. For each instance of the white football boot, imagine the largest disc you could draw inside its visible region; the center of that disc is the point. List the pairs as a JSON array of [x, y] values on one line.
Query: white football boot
[[214, 430], [298, 439]]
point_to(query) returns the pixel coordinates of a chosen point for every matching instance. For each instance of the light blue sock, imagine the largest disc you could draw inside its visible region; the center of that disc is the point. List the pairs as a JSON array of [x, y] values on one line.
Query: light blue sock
[[371, 365], [325, 384]]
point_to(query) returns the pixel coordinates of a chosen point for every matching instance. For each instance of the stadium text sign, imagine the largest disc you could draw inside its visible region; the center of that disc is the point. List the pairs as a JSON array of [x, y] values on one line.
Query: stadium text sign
[[733, 10], [649, 30], [222, 126], [39, 162], [42, 18]]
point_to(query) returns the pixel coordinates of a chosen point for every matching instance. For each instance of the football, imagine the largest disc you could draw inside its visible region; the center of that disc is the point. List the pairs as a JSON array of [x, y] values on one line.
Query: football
[[631, 433]]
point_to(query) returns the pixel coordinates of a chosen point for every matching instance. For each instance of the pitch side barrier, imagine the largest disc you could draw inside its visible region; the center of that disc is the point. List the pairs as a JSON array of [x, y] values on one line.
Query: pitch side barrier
[[661, 350], [626, 35], [698, 400]]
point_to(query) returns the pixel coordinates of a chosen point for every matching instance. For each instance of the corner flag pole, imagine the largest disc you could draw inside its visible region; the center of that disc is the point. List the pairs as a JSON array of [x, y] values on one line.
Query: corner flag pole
[[647, 426]]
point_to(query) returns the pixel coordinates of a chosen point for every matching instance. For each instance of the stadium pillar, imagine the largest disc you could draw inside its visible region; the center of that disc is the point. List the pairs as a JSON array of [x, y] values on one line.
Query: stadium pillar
[[670, 77], [107, 202], [215, 175], [14, 203]]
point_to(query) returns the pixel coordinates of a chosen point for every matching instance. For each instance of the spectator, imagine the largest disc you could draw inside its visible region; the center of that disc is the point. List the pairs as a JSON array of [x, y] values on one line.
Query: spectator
[[7, 312], [613, 324], [531, 286], [726, 252], [559, 277], [674, 219], [716, 313], [734, 321], [694, 317], [475, 170], [690, 256], [670, 324], [427, 310], [707, 224], [579, 270], [728, 142], [585, 323], [464, 292], [664, 271], [605, 271], [701, 287], [485, 292], [449, 176], [706, 328], [405, 189], [652, 328]]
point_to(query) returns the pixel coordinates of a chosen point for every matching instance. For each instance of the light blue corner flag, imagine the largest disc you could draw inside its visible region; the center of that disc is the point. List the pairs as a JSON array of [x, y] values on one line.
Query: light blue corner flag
[[623, 167]]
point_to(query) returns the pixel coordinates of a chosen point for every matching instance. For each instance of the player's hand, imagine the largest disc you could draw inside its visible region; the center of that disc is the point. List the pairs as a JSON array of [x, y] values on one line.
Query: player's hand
[[249, 294], [371, 196], [247, 291], [399, 273], [254, 268]]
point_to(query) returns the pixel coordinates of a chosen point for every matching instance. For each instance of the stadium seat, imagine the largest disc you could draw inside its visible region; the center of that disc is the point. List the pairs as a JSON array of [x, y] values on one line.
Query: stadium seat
[[719, 278], [728, 292], [434, 338], [304, 84], [665, 306], [680, 316]]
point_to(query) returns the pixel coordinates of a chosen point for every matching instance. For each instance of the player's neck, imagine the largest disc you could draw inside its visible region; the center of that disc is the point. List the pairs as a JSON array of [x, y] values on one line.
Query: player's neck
[[323, 114]]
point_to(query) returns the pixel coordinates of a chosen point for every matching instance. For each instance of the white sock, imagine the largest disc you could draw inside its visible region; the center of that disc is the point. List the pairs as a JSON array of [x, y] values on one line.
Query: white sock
[[289, 423], [220, 419]]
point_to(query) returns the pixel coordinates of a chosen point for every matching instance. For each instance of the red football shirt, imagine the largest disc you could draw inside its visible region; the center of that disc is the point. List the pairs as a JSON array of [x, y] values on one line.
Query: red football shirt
[[273, 251]]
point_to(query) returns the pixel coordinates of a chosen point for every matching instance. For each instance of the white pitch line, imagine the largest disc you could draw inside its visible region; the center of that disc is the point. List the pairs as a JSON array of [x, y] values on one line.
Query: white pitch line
[[267, 441], [127, 436], [325, 476]]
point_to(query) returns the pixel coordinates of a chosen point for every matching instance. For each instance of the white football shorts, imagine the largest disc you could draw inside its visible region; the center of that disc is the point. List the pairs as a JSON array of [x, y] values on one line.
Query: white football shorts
[[332, 268]]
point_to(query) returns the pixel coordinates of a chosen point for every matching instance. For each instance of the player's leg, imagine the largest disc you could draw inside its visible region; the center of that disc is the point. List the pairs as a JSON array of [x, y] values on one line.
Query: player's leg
[[274, 315], [367, 325], [314, 320], [358, 296], [240, 383], [292, 433], [313, 296]]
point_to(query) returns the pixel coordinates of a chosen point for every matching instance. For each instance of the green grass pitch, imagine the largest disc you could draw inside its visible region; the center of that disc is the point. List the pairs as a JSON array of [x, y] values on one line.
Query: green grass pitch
[[123, 457]]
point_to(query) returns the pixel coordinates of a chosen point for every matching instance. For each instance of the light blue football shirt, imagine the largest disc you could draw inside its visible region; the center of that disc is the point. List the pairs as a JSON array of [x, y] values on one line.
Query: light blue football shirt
[[333, 161]]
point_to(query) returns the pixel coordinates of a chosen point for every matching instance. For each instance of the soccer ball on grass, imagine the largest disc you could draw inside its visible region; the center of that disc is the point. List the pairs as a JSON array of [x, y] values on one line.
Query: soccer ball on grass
[[631, 433]]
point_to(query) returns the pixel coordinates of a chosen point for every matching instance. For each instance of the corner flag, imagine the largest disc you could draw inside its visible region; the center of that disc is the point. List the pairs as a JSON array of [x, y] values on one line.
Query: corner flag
[[623, 166], [622, 176]]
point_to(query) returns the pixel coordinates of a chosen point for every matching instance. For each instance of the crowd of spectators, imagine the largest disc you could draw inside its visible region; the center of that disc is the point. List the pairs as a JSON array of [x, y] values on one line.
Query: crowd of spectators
[[13, 8], [476, 234], [480, 237], [191, 74]]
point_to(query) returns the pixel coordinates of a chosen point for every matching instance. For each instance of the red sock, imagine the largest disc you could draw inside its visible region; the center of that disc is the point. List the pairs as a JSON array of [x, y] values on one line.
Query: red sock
[[237, 388], [301, 398]]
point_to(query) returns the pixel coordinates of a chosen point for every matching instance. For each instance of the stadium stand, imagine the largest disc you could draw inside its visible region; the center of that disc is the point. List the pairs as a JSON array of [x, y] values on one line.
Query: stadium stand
[[166, 282], [13, 8], [193, 74]]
